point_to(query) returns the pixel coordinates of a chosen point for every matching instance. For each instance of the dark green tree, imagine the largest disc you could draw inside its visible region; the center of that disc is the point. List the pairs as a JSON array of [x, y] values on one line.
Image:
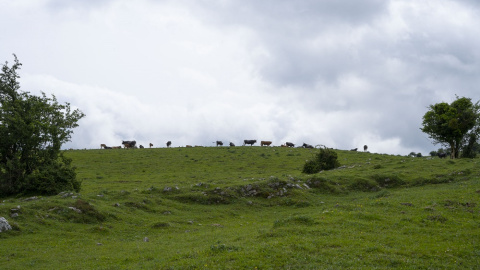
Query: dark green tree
[[32, 131], [453, 124]]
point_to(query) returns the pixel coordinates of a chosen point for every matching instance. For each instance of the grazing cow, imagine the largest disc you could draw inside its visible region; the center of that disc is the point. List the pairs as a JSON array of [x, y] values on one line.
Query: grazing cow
[[141, 146], [108, 147], [232, 144], [219, 143], [188, 146], [267, 143], [116, 147], [283, 145], [289, 144], [103, 146], [442, 155], [354, 149], [169, 143], [129, 144], [307, 145], [365, 147], [251, 142], [151, 145]]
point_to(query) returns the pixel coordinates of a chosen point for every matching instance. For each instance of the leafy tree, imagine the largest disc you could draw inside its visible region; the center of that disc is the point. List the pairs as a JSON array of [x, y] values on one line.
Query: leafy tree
[[33, 128], [326, 159], [452, 124], [471, 147]]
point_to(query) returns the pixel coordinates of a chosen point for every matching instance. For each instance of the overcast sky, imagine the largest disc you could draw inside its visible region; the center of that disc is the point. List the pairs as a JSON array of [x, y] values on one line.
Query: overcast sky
[[338, 73]]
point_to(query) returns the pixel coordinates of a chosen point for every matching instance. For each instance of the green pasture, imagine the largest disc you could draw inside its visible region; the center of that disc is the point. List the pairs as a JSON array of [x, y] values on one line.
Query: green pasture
[[249, 208]]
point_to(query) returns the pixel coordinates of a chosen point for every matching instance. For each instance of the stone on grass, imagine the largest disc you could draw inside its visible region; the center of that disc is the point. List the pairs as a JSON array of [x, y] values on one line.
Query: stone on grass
[[4, 226]]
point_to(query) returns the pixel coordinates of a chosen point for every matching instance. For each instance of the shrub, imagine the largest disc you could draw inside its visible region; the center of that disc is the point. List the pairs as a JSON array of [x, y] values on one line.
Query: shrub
[[325, 159]]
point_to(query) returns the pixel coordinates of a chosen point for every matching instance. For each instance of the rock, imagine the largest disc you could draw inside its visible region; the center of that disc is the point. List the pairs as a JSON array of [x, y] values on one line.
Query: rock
[[75, 209], [146, 239], [116, 205], [31, 199], [4, 226], [66, 194], [14, 215]]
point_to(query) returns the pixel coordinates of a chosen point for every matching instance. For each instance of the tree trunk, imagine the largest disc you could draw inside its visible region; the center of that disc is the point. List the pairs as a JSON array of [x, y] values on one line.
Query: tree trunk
[[453, 151]]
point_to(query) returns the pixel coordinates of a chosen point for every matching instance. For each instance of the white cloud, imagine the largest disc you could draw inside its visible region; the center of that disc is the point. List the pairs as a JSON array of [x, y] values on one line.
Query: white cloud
[[338, 74]]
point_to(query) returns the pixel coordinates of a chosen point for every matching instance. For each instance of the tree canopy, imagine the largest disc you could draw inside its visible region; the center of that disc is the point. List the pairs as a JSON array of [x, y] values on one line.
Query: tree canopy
[[455, 125], [33, 129]]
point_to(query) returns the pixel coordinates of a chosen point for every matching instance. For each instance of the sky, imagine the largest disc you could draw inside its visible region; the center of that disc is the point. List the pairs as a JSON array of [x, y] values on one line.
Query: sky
[[339, 73]]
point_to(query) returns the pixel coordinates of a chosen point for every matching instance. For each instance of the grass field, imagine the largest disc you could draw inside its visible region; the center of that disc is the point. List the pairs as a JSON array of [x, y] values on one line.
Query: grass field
[[250, 208]]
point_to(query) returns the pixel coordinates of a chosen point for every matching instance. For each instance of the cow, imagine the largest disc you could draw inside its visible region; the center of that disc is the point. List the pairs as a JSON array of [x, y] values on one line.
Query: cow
[[129, 144], [232, 144], [283, 145], [251, 142], [442, 155], [354, 149], [289, 144], [103, 146], [219, 143], [305, 145], [188, 146], [141, 146], [116, 147], [267, 143], [365, 147], [151, 145], [108, 147], [169, 143]]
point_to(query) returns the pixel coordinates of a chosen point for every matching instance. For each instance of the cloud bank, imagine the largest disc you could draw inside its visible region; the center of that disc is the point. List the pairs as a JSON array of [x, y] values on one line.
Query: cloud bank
[[336, 73]]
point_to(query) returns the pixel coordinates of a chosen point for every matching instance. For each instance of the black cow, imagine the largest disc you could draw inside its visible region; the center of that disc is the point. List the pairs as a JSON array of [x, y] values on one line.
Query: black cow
[[365, 147], [129, 144], [232, 144], [219, 143], [442, 155], [169, 143], [289, 144], [307, 145], [354, 149], [141, 146], [251, 142]]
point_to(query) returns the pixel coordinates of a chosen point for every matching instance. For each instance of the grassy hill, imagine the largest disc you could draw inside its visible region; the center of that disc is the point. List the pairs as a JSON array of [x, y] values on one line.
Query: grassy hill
[[250, 208]]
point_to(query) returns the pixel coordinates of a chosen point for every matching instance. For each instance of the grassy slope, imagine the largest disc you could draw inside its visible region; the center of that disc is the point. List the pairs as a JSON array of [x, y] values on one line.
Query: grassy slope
[[248, 207]]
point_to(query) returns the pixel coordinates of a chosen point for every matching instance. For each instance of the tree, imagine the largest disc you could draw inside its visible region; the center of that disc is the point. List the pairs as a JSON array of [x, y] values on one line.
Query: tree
[[32, 131], [453, 125]]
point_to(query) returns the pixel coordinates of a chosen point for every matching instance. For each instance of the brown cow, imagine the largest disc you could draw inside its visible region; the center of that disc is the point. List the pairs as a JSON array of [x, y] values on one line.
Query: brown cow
[[151, 145], [267, 143], [103, 146]]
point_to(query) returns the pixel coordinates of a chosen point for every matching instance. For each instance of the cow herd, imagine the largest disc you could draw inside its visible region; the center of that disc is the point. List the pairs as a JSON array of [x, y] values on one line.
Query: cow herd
[[133, 144]]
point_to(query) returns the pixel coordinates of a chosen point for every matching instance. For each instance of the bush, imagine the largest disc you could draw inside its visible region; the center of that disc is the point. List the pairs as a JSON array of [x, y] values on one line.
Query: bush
[[326, 159]]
